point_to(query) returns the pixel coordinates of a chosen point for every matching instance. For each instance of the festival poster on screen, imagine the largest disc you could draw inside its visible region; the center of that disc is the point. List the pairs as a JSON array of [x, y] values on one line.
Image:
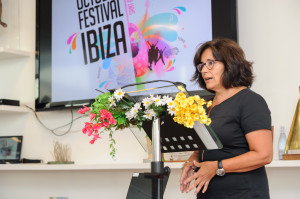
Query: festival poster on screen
[[105, 44]]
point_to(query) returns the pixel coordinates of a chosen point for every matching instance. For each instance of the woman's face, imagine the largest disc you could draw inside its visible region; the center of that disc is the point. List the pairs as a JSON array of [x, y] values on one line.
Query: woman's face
[[212, 77]]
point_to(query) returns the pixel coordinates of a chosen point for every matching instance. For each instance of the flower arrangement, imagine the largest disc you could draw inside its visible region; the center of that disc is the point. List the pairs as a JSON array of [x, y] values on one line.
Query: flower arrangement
[[113, 110]]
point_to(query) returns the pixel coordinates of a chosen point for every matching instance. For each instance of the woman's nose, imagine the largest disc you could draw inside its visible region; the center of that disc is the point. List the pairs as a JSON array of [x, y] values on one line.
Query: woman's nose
[[204, 69]]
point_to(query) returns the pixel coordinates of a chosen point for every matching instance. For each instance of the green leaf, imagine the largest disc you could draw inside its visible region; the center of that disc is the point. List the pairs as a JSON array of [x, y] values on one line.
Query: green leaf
[[121, 120], [116, 114], [140, 123], [139, 127]]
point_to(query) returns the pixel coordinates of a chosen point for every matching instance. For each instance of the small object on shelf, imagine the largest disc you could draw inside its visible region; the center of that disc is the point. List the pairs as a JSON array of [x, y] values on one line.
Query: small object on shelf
[[292, 154], [293, 151], [293, 141], [282, 142], [61, 154], [10, 149], [291, 157], [9, 102], [25, 160]]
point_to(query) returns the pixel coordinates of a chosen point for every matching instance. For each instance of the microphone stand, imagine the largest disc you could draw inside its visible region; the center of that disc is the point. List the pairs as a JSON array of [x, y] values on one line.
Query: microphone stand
[[157, 165]]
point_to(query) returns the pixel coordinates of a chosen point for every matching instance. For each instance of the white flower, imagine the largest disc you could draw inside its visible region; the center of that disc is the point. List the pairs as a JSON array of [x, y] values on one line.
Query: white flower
[[119, 94], [151, 98], [112, 101], [149, 114], [169, 101], [134, 115], [147, 102], [134, 111], [164, 100], [157, 100], [128, 114], [137, 106], [171, 110]]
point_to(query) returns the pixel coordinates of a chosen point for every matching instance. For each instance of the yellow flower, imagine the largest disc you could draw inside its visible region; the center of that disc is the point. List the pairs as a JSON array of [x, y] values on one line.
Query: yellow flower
[[196, 97], [203, 119], [194, 107], [180, 96], [200, 102], [209, 104], [180, 88], [208, 121], [201, 110], [175, 119], [196, 116], [188, 110], [190, 101]]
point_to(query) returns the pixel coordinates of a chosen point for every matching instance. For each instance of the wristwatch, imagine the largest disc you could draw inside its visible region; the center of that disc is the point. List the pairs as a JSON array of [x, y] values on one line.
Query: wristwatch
[[221, 170]]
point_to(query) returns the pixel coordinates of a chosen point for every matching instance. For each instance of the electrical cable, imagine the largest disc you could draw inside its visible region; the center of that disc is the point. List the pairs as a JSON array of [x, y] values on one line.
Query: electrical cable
[[53, 130]]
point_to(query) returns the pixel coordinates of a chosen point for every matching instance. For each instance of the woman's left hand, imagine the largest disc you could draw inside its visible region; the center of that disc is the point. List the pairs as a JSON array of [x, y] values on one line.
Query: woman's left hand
[[207, 170]]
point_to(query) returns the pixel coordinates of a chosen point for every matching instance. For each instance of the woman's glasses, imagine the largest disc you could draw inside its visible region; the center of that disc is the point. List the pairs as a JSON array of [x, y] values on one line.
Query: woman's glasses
[[209, 65]]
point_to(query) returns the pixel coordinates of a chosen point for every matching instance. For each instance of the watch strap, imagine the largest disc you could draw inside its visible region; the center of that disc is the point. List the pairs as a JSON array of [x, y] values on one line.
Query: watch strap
[[220, 165]]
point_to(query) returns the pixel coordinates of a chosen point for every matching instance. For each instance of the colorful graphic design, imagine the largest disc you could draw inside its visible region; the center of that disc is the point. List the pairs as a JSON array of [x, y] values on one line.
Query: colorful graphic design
[[150, 45], [115, 43], [72, 42], [179, 9]]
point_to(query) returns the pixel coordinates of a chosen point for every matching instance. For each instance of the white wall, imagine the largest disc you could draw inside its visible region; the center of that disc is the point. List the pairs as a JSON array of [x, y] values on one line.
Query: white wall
[[17, 82], [268, 32]]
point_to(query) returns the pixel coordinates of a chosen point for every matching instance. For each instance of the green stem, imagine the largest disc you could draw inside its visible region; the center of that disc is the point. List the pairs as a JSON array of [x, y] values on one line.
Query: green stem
[[126, 102], [112, 145]]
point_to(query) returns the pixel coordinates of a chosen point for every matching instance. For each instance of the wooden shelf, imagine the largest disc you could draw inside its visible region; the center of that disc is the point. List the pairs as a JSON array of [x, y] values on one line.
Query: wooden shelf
[[284, 164], [8, 53], [12, 109], [118, 166], [75, 167]]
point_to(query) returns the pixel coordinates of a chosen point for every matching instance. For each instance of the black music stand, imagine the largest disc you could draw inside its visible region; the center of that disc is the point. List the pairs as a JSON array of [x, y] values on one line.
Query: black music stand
[[167, 136]]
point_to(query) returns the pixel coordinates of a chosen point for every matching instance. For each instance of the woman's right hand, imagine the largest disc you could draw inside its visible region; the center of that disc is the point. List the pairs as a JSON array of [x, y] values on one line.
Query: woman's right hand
[[187, 171]]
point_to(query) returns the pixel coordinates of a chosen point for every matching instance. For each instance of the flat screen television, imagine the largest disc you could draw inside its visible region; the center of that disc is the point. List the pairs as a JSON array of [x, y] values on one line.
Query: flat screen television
[[88, 45]]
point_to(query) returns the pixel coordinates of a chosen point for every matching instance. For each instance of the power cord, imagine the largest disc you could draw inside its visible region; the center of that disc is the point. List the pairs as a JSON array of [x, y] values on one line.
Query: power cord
[[53, 130]]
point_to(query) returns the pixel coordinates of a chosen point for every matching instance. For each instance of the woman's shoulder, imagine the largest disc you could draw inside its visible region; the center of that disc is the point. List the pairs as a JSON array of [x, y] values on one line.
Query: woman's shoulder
[[251, 99], [249, 95]]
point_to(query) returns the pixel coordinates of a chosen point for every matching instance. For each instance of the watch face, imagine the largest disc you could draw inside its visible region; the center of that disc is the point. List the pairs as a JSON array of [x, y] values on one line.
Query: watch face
[[220, 172]]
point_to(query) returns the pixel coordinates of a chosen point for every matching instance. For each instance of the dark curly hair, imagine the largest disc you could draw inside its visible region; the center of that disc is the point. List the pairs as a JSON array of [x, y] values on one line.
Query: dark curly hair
[[237, 70]]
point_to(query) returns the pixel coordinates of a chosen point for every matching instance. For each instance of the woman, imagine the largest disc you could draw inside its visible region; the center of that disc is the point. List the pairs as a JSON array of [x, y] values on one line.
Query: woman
[[240, 118]]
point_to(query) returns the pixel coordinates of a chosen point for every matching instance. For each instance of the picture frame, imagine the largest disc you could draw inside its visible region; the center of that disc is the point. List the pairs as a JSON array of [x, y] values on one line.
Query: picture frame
[[10, 149]]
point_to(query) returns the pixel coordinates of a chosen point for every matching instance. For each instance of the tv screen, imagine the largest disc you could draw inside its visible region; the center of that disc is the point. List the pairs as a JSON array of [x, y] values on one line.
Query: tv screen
[[89, 45]]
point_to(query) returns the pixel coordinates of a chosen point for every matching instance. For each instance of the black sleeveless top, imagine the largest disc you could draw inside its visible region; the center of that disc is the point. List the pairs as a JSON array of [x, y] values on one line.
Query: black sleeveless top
[[240, 114]]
